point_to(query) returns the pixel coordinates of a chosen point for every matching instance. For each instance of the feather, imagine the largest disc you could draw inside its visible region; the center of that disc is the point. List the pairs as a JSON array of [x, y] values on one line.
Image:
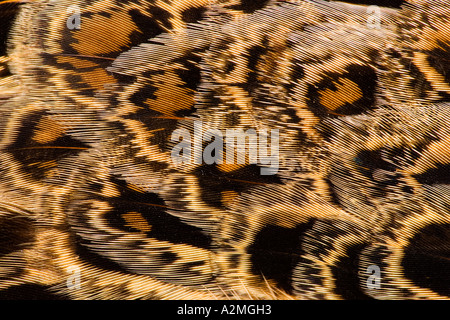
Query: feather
[[233, 149]]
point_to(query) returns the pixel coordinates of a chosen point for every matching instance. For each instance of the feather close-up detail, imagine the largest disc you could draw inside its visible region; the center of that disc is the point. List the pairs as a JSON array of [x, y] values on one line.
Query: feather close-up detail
[[224, 150]]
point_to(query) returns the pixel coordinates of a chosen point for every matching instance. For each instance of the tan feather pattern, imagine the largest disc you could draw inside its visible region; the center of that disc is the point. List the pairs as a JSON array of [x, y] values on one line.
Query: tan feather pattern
[[351, 200]]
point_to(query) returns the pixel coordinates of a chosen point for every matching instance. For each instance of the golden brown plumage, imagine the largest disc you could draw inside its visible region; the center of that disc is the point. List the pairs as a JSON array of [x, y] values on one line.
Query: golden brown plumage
[[93, 205]]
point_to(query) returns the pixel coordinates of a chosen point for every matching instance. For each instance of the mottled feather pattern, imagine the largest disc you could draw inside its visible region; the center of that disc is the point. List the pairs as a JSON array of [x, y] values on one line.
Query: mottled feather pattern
[[96, 95]]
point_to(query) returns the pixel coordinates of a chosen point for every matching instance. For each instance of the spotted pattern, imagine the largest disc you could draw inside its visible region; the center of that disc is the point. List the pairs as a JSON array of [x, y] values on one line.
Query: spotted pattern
[[95, 96]]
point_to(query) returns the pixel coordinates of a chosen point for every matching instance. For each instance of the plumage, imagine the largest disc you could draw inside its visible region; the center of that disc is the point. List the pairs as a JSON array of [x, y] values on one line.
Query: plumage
[[345, 106]]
